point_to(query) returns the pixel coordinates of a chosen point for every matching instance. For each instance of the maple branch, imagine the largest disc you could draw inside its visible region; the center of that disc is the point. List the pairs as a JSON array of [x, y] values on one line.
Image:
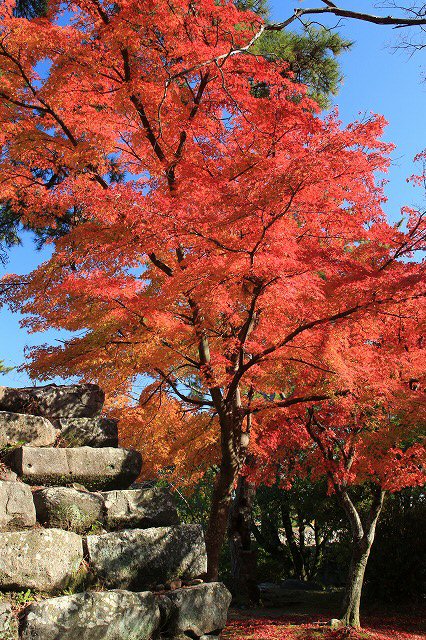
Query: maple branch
[[195, 401], [160, 264], [295, 400]]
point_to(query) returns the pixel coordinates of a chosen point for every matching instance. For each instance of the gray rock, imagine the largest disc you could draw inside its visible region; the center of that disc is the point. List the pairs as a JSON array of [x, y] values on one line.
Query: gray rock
[[198, 610], [90, 432], [8, 622], [93, 615], [139, 508], [53, 401], [94, 468], [141, 558], [16, 506], [68, 508], [19, 428], [42, 559]]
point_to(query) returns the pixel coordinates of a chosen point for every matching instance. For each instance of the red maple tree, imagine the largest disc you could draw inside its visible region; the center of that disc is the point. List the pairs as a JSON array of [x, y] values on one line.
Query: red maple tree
[[218, 231], [372, 435]]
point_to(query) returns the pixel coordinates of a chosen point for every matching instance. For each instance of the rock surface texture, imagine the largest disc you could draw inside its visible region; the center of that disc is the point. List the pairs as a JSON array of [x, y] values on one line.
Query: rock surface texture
[[94, 468], [82, 535], [90, 432], [16, 506], [93, 615], [68, 508], [196, 611], [52, 401], [136, 558], [139, 508], [40, 559], [17, 429]]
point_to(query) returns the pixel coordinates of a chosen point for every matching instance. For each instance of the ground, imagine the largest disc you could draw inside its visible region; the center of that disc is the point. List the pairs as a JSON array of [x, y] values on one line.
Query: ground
[[272, 624]]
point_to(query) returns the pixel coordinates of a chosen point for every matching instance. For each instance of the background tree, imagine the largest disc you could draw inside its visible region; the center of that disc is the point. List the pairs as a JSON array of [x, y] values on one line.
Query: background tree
[[373, 438]]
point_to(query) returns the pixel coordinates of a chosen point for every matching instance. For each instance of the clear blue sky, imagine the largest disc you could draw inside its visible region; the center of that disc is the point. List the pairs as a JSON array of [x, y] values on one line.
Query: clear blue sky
[[376, 79]]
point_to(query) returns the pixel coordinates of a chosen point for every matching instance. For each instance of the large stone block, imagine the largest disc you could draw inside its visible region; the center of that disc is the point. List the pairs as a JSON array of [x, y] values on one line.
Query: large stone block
[[93, 615], [42, 559], [68, 508], [16, 506], [195, 611], [52, 401], [90, 432], [8, 622], [94, 468], [139, 508], [141, 558], [20, 428]]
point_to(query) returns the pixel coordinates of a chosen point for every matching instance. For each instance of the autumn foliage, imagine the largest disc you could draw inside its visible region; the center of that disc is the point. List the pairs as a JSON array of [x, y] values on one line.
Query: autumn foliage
[[215, 238]]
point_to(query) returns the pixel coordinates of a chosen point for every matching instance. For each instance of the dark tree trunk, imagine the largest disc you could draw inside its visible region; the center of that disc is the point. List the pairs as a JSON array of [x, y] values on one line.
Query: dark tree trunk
[[243, 556], [231, 462], [297, 558]]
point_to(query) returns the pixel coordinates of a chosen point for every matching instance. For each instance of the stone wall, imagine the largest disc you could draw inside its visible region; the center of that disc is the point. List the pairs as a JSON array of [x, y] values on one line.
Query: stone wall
[[85, 553]]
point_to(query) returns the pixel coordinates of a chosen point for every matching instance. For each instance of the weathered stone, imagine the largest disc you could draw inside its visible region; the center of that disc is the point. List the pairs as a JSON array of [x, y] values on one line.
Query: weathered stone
[[90, 432], [53, 401], [94, 468], [93, 615], [141, 558], [19, 428], [68, 508], [139, 508], [197, 610], [7, 474], [8, 622], [16, 506], [42, 559]]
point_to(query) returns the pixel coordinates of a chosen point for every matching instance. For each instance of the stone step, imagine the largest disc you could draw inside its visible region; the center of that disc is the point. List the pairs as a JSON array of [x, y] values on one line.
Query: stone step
[[90, 432], [16, 506], [80, 511], [195, 611], [40, 559], [142, 558], [19, 428], [70, 509], [105, 468], [52, 401], [139, 508], [93, 615]]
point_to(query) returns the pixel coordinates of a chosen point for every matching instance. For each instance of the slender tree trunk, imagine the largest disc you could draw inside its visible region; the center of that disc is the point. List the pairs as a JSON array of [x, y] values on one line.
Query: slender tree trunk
[[363, 537], [297, 558], [243, 556]]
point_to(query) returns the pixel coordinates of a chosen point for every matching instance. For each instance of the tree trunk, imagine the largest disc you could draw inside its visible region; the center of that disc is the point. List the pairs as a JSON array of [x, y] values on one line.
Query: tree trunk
[[243, 556], [352, 598], [231, 463], [295, 553], [363, 537]]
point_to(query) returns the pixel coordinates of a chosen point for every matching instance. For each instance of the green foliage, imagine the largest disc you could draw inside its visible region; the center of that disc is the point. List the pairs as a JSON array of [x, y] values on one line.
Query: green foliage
[[261, 7], [310, 516], [30, 8], [9, 235], [311, 56], [396, 571], [194, 506], [4, 369]]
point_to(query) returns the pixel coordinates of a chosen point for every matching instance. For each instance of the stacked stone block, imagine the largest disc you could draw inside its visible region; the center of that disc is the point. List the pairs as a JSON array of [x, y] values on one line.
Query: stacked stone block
[[105, 558]]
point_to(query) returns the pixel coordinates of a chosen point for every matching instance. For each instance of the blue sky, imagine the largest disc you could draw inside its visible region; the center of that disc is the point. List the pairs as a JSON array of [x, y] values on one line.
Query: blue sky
[[376, 79]]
